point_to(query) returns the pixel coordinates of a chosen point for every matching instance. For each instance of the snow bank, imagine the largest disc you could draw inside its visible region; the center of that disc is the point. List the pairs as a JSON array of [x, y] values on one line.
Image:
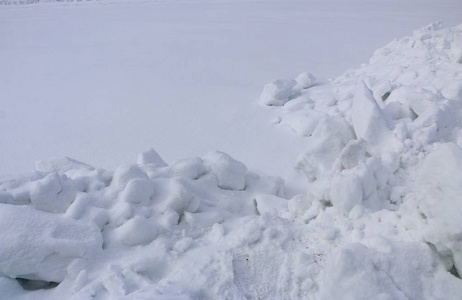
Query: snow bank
[[387, 137], [75, 225], [380, 219]]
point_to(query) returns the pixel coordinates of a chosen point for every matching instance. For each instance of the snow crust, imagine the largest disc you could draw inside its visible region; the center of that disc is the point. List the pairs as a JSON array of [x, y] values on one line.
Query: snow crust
[[380, 219]]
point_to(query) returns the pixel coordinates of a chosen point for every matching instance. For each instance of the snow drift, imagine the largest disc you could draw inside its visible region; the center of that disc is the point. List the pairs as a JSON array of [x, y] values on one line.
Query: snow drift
[[380, 220]]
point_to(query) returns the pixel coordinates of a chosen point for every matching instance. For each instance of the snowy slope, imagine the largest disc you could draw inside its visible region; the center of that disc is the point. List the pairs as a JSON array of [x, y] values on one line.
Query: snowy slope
[[380, 218]]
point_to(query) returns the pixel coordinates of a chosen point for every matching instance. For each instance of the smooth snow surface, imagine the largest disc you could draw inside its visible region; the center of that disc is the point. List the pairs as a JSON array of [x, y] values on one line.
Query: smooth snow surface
[[373, 212]]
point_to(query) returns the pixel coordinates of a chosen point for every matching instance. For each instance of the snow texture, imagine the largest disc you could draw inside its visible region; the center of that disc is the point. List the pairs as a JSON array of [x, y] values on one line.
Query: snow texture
[[380, 218]]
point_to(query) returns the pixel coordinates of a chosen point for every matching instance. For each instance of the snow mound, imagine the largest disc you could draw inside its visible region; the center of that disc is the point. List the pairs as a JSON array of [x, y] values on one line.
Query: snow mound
[[380, 121], [105, 234], [380, 218], [387, 137]]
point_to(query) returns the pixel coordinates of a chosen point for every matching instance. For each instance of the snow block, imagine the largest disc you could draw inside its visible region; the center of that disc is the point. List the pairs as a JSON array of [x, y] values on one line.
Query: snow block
[[397, 111], [83, 209], [79, 206], [439, 188], [422, 101], [305, 80], [151, 157], [179, 199], [120, 213], [345, 191], [456, 48], [369, 185], [382, 90], [370, 123], [135, 231], [269, 204], [352, 154], [192, 168], [452, 90], [124, 174], [37, 245], [324, 146], [230, 173], [278, 92], [54, 193], [137, 191], [298, 205]]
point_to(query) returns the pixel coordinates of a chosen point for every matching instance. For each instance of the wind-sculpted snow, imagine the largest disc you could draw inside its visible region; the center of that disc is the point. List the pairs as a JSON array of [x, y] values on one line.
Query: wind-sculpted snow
[[380, 219]]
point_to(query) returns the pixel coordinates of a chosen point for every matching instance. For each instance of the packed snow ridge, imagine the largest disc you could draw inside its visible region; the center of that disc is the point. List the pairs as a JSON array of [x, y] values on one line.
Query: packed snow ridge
[[381, 218]]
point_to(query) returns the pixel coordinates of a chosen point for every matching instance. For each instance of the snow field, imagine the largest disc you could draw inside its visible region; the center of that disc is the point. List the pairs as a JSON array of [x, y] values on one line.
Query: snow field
[[183, 73], [380, 220]]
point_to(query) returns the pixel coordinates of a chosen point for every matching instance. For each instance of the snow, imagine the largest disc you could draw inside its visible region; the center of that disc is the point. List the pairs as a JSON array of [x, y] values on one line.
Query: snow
[[373, 211], [370, 123], [229, 172], [305, 80], [40, 245], [440, 179], [279, 92], [324, 146], [183, 73]]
